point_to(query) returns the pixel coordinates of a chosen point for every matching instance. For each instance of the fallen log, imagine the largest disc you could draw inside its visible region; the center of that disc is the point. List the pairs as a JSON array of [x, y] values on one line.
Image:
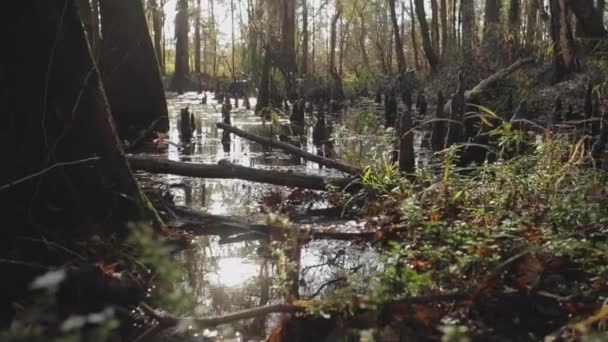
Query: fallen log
[[226, 170], [234, 230], [488, 82], [334, 164]]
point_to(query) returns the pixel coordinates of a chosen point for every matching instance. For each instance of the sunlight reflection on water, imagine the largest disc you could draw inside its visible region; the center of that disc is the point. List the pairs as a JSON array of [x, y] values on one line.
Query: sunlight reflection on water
[[233, 272]]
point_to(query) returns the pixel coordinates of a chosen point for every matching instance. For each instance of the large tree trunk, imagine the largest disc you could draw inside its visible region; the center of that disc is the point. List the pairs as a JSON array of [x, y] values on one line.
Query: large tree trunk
[[426, 39], [468, 31], [401, 66], [531, 24], [181, 80], [590, 20], [58, 113], [564, 53], [491, 30], [130, 71]]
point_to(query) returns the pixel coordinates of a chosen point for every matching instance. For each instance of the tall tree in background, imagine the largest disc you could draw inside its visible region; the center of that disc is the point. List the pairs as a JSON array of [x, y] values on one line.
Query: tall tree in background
[[431, 57], [531, 23], [157, 32], [514, 23], [468, 31], [197, 37], [435, 27], [401, 66], [305, 38], [233, 42], [288, 45], [181, 80], [491, 29], [445, 39], [413, 35], [336, 92], [130, 70]]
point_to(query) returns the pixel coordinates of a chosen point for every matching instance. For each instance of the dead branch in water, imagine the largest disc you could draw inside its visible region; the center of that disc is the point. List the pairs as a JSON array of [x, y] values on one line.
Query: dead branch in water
[[334, 164], [226, 170]]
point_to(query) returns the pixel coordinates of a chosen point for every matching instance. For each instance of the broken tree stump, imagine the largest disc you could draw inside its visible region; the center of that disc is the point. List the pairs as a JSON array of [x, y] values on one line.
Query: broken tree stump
[[297, 113], [185, 124], [407, 158], [439, 126], [455, 132], [421, 104], [390, 110]]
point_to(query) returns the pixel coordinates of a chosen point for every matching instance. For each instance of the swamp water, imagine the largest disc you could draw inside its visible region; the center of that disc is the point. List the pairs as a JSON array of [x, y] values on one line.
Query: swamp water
[[224, 278]]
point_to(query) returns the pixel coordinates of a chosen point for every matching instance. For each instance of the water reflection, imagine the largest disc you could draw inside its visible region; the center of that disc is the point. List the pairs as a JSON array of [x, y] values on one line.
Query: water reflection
[[230, 277]]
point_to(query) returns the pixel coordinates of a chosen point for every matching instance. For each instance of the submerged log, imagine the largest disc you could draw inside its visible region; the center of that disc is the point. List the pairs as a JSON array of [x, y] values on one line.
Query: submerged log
[[489, 81], [334, 164], [226, 170]]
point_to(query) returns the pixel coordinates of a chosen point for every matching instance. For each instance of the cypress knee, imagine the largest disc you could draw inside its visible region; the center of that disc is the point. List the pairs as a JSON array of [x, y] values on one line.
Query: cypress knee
[[407, 158]]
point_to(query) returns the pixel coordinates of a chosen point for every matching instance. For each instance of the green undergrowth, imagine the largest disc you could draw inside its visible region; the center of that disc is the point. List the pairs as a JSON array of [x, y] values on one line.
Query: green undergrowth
[[531, 224]]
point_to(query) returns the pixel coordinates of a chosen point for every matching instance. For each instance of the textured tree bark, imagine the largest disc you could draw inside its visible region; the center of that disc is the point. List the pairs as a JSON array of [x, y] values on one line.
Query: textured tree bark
[[336, 91], [413, 35], [232, 171], [69, 120], [564, 53], [407, 157], [590, 19], [514, 23], [531, 24], [491, 29], [435, 27], [426, 39], [468, 31], [401, 66], [129, 69], [181, 80]]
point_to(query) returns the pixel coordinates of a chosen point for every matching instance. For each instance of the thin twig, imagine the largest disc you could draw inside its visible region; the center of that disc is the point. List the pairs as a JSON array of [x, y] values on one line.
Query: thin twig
[[41, 172]]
